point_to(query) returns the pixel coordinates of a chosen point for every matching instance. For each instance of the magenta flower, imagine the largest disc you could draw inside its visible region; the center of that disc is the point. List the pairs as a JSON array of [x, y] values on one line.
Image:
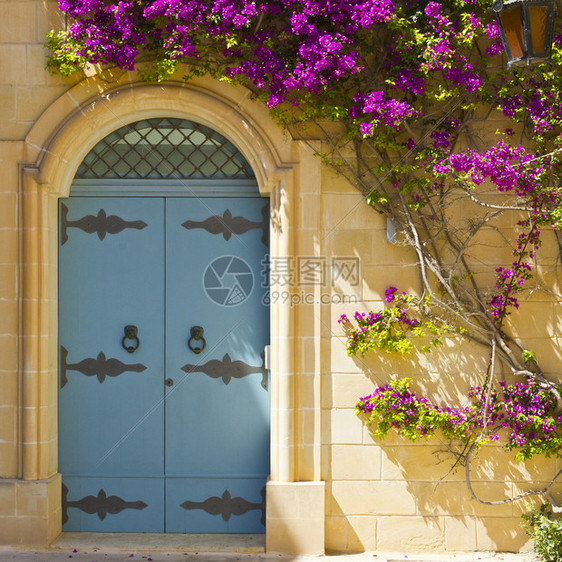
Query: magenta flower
[[389, 294]]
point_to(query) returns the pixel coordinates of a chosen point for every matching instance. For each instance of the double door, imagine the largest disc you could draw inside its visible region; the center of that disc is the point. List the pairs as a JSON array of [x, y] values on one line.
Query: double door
[[163, 394]]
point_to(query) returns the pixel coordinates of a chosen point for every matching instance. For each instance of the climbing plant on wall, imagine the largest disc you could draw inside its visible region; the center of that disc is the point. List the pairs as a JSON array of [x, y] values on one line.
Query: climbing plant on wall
[[401, 94]]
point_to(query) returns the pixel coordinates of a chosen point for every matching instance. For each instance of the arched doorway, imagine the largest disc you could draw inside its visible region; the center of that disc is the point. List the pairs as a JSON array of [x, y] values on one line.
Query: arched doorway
[[163, 321]]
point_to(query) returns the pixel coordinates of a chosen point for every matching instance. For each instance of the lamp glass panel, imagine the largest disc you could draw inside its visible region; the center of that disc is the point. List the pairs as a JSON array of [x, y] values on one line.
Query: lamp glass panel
[[537, 16], [512, 24]]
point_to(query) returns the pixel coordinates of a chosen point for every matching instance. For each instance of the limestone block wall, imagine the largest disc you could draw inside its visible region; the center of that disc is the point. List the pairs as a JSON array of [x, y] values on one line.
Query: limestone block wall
[[395, 495], [9, 289], [29, 486]]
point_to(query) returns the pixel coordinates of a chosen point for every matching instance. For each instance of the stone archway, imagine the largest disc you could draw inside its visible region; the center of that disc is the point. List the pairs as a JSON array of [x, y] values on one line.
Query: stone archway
[[57, 144]]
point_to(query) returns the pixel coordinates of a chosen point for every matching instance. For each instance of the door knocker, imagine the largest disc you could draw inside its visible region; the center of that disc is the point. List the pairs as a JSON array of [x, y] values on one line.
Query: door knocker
[[130, 334], [197, 335]]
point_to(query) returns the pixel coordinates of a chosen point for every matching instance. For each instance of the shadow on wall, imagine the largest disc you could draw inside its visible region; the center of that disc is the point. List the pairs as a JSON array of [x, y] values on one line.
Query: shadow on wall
[[399, 495], [395, 494]]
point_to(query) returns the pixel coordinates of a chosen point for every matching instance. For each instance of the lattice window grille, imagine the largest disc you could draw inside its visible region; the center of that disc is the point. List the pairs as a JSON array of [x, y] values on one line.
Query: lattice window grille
[[165, 148]]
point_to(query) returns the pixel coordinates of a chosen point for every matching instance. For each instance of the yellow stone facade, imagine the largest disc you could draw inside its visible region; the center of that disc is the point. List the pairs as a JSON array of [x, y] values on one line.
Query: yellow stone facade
[[332, 487]]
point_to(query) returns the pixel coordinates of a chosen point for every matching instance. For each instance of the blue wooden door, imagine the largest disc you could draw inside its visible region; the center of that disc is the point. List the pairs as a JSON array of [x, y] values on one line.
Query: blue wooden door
[[217, 411], [165, 428], [111, 407]]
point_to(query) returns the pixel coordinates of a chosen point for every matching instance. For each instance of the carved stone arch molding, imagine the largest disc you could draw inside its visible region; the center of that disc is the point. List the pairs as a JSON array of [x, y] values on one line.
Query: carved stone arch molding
[[56, 145]]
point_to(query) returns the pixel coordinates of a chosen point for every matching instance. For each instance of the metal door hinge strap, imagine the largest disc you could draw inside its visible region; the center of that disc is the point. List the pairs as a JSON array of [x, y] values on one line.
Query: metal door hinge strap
[[227, 225], [227, 369], [101, 224], [102, 504], [226, 505], [99, 367]]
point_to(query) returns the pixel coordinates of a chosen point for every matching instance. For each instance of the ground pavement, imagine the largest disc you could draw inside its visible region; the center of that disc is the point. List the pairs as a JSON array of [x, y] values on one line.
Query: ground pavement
[[100, 547]]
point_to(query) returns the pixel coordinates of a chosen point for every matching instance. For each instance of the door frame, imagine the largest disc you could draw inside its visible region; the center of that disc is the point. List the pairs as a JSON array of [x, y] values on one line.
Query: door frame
[[286, 170]]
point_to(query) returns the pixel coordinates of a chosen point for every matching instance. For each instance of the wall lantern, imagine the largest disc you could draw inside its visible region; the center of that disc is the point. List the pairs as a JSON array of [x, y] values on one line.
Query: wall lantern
[[526, 28]]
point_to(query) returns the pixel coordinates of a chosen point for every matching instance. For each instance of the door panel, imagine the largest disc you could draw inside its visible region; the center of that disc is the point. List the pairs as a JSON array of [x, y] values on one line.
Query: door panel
[[113, 505], [111, 411], [217, 411], [228, 505]]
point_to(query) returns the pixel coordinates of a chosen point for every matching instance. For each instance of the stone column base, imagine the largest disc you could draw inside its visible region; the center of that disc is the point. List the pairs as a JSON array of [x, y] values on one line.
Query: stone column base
[[295, 518], [30, 511]]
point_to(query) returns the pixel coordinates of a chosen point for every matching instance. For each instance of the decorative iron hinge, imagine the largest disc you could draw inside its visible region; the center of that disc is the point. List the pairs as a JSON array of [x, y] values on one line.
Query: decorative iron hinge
[[101, 224], [226, 505], [227, 225], [99, 367], [102, 504], [227, 369]]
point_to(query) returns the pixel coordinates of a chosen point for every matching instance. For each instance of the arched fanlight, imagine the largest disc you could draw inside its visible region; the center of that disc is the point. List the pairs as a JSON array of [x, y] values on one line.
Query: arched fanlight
[[526, 28]]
